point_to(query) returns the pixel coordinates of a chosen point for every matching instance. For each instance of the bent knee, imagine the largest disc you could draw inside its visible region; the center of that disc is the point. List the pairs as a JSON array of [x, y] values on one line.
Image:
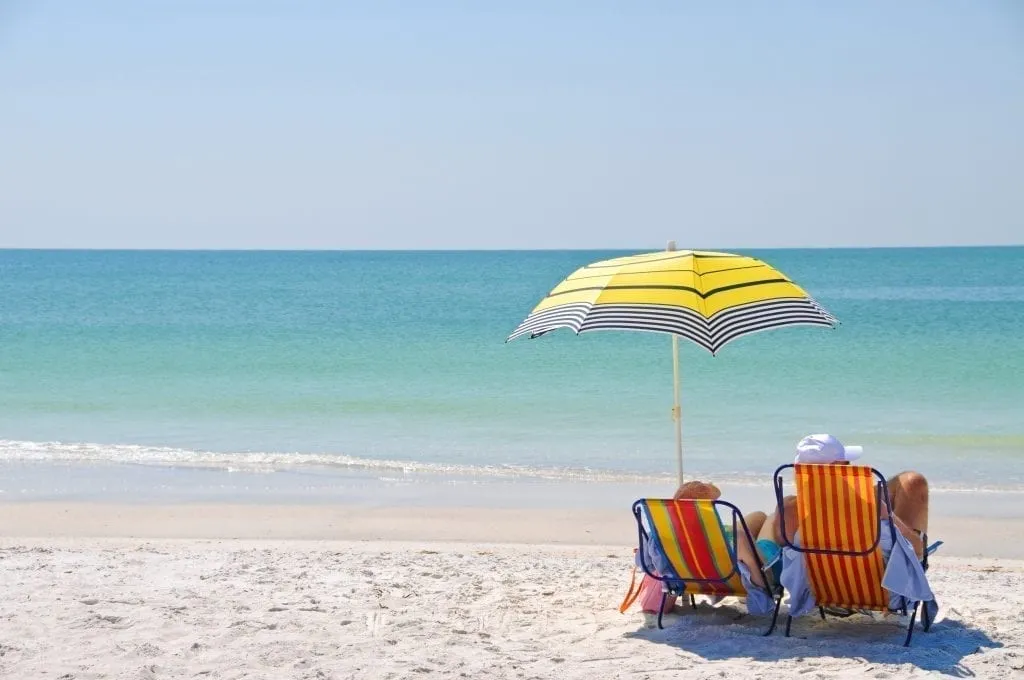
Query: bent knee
[[912, 482], [756, 516]]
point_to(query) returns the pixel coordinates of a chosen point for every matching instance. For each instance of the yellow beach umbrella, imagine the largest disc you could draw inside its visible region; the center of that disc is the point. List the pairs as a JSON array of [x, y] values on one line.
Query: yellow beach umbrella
[[708, 297]]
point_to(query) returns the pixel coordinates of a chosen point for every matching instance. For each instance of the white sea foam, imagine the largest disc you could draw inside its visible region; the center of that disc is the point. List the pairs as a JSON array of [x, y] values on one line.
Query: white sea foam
[[263, 461], [391, 471]]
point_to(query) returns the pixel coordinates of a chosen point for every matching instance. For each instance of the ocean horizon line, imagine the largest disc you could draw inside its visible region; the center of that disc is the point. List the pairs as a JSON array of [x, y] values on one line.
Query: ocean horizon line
[[847, 248]]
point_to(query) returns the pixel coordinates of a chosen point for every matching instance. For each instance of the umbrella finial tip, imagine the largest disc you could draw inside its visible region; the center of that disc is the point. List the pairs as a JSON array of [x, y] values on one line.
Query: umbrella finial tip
[[671, 245]]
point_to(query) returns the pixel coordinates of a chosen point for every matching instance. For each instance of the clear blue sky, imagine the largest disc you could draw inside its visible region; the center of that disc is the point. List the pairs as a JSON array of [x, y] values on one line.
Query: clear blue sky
[[526, 124]]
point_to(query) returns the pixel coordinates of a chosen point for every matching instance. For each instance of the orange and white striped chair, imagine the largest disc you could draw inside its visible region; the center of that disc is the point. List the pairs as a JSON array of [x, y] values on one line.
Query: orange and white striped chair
[[840, 532]]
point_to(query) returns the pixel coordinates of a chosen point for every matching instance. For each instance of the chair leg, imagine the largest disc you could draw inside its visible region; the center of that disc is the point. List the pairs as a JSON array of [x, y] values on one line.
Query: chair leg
[[789, 622], [926, 617], [661, 609], [693, 601], [821, 610], [910, 628], [775, 616]]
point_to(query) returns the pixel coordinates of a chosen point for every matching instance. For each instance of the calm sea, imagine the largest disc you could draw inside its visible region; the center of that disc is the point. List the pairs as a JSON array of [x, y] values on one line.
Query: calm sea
[[127, 372]]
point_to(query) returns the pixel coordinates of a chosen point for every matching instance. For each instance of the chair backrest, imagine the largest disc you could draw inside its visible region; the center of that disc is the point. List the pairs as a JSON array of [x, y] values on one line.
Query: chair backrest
[[696, 553], [840, 529]]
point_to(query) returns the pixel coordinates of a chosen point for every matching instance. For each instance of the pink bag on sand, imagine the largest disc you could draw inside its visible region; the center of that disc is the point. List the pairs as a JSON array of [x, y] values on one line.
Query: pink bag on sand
[[649, 593]]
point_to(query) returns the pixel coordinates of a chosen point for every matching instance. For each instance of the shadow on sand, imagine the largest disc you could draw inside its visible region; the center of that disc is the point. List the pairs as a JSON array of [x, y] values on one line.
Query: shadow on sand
[[724, 632]]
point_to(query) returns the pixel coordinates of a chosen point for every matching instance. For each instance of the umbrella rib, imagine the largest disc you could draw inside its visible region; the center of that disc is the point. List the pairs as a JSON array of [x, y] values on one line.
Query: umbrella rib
[[703, 307]]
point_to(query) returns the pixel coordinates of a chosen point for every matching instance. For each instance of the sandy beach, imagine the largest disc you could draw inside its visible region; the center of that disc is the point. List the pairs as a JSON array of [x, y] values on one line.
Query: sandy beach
[[236, 591]]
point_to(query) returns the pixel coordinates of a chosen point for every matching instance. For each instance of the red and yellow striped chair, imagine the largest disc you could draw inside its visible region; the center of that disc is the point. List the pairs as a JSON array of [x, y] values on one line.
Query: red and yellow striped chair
[[839, 514], [684, 544]]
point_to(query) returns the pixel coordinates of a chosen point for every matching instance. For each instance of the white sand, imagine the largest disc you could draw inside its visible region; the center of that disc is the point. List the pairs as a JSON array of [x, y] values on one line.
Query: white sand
[[78, 607]]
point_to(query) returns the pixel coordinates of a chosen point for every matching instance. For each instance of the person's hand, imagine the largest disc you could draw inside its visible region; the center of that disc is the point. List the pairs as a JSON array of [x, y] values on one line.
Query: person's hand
[[697, 490]]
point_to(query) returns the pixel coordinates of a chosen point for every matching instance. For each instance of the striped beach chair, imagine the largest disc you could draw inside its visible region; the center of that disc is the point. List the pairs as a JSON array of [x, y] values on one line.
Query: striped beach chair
[[840, 525], [684, 544]]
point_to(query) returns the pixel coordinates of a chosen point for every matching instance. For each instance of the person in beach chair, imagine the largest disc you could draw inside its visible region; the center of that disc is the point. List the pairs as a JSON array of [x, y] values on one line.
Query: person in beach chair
[[852, 540], [686, 549]]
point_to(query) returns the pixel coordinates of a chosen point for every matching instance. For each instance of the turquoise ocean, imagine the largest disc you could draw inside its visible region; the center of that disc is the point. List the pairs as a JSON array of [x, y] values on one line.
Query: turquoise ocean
[[385, 376]]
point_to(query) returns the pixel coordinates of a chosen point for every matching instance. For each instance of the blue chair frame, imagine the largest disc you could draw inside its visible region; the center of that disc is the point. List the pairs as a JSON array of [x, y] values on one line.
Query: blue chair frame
[[677, 586]]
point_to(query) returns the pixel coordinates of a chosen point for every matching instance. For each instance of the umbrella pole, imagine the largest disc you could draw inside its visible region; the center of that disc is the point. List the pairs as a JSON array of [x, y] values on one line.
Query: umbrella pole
[[677, 414]]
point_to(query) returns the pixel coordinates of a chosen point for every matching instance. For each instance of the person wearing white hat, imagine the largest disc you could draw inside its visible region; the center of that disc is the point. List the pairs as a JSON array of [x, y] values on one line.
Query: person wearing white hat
[[908, 490]]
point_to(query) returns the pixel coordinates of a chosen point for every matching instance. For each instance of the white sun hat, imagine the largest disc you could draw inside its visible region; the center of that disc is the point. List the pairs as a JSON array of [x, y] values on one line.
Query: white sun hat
[[824, 448]]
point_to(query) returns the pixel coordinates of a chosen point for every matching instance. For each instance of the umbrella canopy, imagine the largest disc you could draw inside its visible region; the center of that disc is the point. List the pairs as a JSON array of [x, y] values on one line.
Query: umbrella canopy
[[707, 297]]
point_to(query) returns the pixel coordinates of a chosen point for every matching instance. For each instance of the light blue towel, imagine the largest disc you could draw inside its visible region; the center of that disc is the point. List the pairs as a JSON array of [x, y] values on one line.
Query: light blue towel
[[759, 602], [904, 576]]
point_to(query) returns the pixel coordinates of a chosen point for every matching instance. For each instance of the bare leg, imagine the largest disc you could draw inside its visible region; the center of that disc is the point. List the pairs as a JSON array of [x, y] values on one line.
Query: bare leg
[[789, 517], [909, 494], [755, 522], [768, 529], [745, 549]]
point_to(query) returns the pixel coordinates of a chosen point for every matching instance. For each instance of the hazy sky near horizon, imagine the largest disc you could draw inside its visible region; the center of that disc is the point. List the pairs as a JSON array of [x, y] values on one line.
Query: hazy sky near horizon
[[530, 124]]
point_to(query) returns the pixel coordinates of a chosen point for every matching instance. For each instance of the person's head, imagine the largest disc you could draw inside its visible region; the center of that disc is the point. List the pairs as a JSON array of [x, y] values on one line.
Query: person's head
[[824, 449], [697, 490]]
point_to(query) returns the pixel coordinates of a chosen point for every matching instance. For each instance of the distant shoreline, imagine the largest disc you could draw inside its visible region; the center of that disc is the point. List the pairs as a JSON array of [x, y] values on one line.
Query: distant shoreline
[[616, 249]]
